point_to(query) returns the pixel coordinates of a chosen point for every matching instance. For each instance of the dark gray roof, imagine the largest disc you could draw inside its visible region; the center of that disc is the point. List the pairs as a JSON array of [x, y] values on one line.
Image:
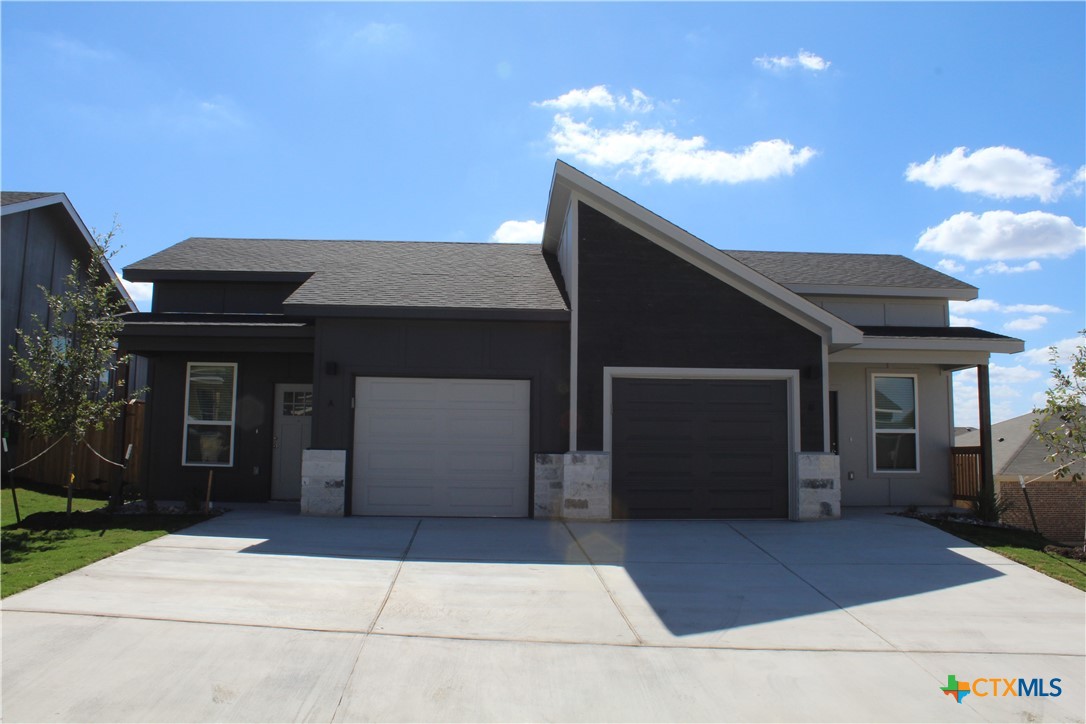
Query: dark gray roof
[[18, 197], [930, 332], [369, 274], [791, 268]]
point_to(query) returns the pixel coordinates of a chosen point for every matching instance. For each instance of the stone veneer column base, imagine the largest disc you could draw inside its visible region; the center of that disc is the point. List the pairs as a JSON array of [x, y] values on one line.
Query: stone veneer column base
[[323, 476], [818, 496], [574, 486]]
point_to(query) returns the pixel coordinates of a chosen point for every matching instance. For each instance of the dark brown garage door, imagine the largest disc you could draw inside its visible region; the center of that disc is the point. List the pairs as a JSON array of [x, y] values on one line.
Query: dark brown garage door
[[699, 448]]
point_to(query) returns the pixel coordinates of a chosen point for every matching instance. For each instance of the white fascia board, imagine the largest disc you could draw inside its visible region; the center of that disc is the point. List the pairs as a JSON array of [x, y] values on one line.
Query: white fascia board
[[63, 200], [1008, 345], [839, 290], [693, 250]]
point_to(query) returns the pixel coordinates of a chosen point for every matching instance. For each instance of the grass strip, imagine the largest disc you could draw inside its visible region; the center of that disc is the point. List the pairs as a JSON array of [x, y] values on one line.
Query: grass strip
[[1021, 546], [47, 543]]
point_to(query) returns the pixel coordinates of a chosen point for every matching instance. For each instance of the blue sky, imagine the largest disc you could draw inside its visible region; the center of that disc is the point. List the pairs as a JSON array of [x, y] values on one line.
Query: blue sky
[[954, 134]]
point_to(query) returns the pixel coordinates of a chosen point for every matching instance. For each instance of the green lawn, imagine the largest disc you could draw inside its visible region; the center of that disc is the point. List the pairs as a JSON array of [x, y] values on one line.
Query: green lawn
[[46, 544], [1021, 546]]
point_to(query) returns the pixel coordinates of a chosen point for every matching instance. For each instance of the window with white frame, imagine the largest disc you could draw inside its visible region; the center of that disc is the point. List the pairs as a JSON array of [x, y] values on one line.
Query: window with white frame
[[894, 423], [210, 401]]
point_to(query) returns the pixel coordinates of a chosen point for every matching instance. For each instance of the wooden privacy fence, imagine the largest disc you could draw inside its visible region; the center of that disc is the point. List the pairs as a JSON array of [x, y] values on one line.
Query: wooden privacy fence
[[965, 471], [90, 470]]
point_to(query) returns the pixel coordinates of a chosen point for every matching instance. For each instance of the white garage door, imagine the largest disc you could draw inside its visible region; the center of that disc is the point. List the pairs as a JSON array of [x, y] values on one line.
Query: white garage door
[[440, 447]]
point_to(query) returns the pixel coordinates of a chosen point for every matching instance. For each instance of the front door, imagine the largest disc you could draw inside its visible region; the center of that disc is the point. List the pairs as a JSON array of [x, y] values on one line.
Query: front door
[[293, 420]]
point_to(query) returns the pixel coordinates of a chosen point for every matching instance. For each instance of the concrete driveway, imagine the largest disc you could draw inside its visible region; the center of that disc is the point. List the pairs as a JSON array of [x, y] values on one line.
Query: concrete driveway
[[261, 615]]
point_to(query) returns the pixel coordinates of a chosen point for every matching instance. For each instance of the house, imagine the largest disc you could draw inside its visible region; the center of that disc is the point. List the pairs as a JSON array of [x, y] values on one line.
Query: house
[[40, 237], [1058, 506], [622, 368]]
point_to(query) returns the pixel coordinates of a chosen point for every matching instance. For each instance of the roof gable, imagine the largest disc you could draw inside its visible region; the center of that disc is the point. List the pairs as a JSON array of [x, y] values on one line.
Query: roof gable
[[13, 202], [569, 183]]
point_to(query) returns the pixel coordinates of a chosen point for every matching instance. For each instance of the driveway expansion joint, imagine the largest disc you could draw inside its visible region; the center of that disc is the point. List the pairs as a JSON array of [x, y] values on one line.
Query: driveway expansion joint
[[610, 593]]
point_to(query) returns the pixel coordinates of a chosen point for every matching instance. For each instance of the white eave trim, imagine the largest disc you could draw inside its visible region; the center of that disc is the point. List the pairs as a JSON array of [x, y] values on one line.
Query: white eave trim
[[63, 200], [957, 344], [839, 290], [688, 247]]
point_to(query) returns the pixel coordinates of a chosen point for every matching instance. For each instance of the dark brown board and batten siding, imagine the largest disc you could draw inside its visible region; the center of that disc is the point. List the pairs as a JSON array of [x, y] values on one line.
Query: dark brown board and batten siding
[[642, 306]]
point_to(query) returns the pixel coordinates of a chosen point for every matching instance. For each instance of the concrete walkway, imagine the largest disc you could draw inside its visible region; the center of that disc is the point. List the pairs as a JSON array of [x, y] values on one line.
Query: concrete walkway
[[261, 615]]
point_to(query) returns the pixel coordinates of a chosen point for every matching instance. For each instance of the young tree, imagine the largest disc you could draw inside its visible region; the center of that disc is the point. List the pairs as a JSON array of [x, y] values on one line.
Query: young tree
[[1065, 403], [62, 360]]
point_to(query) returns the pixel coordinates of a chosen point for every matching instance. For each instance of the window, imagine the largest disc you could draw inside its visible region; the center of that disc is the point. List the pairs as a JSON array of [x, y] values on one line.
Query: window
[[210, 395], [895, 423]]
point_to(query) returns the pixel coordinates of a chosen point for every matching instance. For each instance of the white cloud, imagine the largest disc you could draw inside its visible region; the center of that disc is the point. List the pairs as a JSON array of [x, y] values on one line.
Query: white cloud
[[975, 306], [1064, 349], [1015, 375], [950, 266], [141, 293], [599, 97], [1004, 390], [963, 322], [1001, 267], [1000, 235], [380, 34], [518, 232], [803, 59], [1033, 309], [71, 49], [1026, 324], [664, 155], [997, 172]]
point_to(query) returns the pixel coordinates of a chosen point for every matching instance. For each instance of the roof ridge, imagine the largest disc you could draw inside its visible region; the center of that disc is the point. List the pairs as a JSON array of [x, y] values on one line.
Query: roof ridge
[[360, 241]]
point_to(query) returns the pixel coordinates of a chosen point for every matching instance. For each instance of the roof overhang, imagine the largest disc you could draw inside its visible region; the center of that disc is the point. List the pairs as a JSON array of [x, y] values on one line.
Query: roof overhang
[[437, 313], [829, 290], [568, 185], [948, 352], [66, 204]]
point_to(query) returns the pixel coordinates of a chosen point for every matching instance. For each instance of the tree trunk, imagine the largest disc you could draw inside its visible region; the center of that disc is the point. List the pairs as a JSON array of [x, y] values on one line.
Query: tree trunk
[[71, 475]]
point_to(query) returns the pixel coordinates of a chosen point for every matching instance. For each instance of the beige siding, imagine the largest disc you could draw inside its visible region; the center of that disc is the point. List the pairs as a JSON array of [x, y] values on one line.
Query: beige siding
[[930, 485]]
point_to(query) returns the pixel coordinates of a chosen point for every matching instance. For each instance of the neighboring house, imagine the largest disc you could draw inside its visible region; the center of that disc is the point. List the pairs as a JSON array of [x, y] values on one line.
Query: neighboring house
[[690, 382], [1016, 451], [41, 235], [1059, 505]]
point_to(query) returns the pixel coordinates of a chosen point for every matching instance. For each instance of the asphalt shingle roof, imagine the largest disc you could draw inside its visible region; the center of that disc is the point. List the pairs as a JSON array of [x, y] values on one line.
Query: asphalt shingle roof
[[18, 197], [930, 332], [867, 270], [380, 273]]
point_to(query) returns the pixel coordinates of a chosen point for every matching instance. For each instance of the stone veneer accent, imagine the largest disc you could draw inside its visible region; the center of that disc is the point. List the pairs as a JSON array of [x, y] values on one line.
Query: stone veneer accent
[[323, 476], [575, 486], [818, 496]]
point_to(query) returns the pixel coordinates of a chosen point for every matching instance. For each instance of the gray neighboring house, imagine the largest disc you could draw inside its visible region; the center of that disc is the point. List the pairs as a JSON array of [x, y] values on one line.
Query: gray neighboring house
[[41, 235], [622, 368], [1016, 451]]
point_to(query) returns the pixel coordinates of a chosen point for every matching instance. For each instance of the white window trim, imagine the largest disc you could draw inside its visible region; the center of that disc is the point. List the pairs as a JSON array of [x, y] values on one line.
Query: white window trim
[[790, 377], [186, 421], [915, 430]]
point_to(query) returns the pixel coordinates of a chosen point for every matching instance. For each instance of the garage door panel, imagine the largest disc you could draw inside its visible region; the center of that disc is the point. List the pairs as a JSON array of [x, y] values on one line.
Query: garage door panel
[[484, 463], [441, 447], [393, 496], [480, 497], [699, 448], [484, 428], [396, 425], [485, 394]]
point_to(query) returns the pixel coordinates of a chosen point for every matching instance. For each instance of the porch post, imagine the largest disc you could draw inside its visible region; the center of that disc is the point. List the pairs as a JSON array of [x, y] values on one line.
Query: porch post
[[987, 477]]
